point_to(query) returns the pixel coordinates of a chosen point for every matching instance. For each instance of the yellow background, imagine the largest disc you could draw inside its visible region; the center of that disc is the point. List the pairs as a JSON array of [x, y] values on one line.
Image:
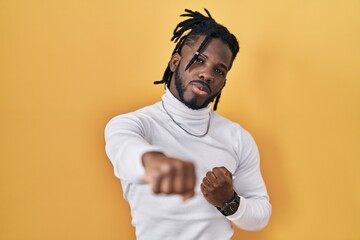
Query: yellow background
[[67, 67]]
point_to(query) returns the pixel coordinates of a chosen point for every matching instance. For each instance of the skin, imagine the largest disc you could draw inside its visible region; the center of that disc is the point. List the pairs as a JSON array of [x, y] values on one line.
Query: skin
[[196, 88], [217, 186], [210, 68]]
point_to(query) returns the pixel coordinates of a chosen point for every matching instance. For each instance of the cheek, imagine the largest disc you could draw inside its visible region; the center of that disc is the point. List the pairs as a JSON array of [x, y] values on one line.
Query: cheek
[[186, 77], [219, 85]]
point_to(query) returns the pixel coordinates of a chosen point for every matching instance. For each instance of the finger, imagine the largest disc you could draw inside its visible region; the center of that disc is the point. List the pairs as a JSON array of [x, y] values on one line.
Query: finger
[[180, 178], [222, 173], [155, 181], [207, 183], [203, 189], [226, 172], [211, 177], [206, 189], [190, 177], [167, 181]]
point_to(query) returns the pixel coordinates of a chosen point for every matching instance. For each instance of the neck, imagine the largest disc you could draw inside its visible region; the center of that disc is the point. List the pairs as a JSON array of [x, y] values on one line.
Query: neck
[[175, 106]]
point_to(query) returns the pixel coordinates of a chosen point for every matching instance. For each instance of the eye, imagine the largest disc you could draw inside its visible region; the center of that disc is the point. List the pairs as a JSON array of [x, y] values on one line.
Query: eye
[[218, 71], [199, 60]]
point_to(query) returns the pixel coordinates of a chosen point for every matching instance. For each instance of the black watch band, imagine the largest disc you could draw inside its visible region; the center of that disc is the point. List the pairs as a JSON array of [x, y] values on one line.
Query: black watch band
[[230, 207]]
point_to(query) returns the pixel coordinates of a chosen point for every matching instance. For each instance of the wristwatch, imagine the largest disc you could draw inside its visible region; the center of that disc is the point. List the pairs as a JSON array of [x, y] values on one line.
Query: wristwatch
[[230, 207]]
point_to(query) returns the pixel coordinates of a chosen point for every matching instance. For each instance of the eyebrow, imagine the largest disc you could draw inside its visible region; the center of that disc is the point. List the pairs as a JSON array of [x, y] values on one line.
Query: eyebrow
[[220, 64]]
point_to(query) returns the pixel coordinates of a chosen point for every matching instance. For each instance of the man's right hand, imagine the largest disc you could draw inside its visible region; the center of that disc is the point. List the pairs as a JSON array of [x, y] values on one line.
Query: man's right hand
[[169, 175]]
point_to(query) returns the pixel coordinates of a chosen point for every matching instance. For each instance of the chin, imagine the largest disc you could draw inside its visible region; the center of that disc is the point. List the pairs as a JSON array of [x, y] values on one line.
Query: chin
[[193, 103]]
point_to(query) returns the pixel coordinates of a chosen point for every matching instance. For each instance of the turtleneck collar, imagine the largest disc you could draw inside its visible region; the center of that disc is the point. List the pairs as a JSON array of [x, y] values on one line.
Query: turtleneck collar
[[180, 111]]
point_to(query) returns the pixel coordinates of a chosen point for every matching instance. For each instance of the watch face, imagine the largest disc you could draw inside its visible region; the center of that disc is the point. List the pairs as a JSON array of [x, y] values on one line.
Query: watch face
[[230, 208]]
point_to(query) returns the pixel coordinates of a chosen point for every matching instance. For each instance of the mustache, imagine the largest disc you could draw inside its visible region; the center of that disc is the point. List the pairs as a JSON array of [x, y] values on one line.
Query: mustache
[[203, 84]]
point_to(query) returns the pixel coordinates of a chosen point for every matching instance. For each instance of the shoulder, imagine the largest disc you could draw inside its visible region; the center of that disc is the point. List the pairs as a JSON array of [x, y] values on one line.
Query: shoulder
[[233, 133], [147, 111], [138, 117], [226, 126]]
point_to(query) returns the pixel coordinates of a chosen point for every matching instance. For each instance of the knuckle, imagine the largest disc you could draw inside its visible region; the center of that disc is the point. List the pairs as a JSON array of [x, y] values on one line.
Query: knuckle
[[169, 169], [178, 164], [155, 177]]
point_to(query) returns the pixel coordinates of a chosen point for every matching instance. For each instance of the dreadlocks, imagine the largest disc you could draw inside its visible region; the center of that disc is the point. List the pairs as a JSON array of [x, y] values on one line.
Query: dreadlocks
[[199, 25]]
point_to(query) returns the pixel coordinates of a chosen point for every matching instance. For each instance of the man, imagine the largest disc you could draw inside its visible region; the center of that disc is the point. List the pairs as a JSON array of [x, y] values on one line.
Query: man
[[187, 172]]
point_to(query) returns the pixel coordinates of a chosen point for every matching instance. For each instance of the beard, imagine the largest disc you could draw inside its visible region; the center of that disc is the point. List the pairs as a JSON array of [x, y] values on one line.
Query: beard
[[191, 103]]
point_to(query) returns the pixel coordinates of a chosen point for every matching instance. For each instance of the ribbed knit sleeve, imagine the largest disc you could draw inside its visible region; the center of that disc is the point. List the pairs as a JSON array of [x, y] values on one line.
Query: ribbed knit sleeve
[[254, 210], [125, 146]]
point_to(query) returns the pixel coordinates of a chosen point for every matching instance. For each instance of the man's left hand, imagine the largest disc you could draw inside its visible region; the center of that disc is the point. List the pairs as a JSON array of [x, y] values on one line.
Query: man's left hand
[[217, 186]]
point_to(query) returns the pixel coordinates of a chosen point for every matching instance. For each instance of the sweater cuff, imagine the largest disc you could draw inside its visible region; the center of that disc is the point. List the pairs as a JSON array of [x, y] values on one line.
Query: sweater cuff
[[138, 167], [240, 212]]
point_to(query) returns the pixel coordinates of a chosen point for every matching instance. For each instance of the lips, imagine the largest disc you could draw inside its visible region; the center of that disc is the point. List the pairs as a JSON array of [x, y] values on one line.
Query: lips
[[200, 87]]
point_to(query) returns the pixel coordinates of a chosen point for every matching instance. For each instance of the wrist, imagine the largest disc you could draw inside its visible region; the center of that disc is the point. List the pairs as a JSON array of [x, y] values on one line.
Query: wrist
[[150, 156], [228, 200], [230, 207]]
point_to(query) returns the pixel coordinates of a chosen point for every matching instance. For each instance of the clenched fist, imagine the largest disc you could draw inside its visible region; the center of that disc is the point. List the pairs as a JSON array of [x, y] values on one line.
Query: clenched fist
[[169, 175], [217, 186]]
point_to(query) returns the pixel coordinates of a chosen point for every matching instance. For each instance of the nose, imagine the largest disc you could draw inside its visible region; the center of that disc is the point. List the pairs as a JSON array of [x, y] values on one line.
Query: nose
[[206, 74]]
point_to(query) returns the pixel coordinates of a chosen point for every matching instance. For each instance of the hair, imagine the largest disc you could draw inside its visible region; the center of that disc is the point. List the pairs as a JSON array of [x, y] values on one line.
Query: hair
[[199, 25]]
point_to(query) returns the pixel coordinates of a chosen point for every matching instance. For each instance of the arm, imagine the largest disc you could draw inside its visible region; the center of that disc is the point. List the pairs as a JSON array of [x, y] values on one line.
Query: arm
[[125, 145], [137, 161], [218, 187]]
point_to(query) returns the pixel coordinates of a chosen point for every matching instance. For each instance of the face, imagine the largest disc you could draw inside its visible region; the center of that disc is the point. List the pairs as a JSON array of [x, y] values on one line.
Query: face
[[203, 81]]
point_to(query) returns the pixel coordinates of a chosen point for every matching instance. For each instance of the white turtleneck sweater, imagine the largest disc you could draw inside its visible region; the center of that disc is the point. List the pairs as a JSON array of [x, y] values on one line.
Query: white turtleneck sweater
[[162, 217]]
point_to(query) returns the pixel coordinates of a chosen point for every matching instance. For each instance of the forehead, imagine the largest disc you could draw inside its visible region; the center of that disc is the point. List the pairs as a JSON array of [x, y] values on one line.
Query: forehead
[[215, 50]]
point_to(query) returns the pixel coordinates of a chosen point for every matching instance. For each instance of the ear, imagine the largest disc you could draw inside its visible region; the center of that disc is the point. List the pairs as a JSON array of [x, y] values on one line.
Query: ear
[[174, 61]]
